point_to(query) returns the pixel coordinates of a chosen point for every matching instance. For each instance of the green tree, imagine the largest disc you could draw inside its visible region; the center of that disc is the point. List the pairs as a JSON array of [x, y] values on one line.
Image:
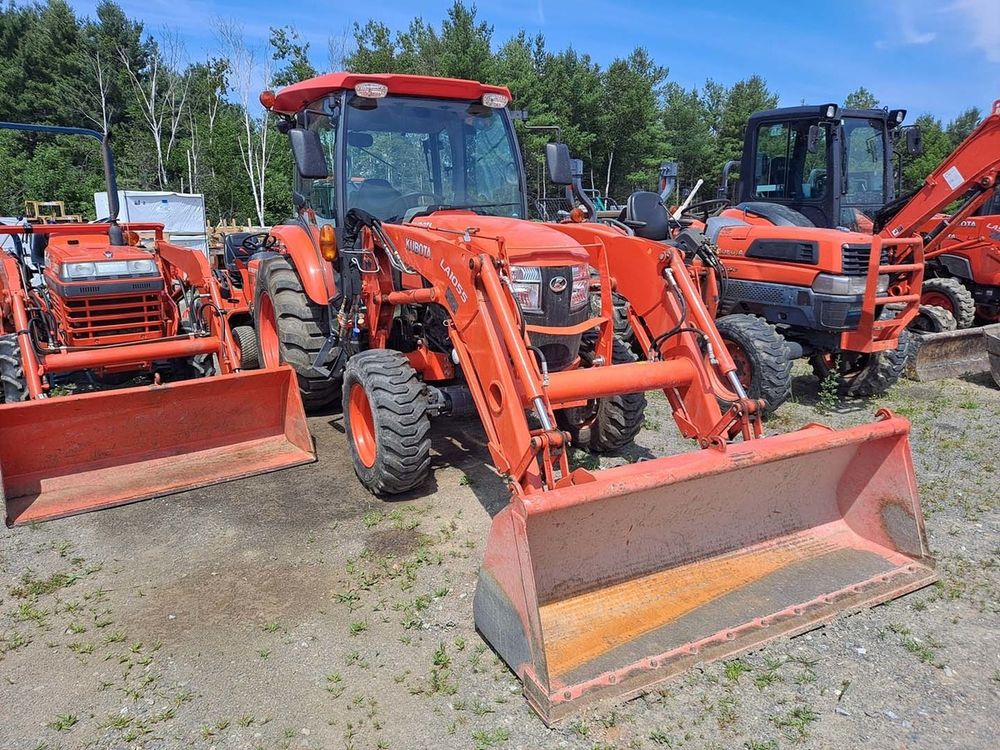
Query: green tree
[[860, 98]]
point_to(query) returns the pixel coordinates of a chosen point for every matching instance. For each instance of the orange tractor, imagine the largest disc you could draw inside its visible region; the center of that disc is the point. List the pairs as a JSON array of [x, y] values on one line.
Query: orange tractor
[[120, 373], [819, 246], [445, 301]]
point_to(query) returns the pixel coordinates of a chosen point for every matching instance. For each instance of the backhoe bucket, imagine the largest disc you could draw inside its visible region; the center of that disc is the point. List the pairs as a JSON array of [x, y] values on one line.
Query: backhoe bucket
[[950, 354], [599, 590], [71, 454]]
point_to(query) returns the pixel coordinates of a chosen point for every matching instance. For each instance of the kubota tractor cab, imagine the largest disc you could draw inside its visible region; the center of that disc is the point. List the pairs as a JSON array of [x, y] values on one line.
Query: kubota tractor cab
[[433, 296], [119, 374], [834, 168]]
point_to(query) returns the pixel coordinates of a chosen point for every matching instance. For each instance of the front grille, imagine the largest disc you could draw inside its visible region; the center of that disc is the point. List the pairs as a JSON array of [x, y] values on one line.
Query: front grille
[[855, 259], [94, 321]]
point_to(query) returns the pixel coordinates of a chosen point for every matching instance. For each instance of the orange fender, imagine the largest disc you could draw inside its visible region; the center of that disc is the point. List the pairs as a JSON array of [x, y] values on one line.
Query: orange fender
[[303, 251]]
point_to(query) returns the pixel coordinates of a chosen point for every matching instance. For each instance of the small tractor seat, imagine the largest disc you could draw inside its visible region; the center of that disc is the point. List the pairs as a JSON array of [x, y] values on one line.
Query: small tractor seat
[[647, 208], [777, 214], [233, 251]]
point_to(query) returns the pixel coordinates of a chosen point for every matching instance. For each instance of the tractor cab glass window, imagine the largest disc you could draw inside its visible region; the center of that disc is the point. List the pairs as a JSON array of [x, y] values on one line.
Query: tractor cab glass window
[[863, 170], [785, 168], [322, 194], [407, 154]]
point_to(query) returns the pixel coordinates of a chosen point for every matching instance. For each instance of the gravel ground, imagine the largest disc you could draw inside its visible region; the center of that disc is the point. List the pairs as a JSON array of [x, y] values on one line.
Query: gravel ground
[[295, 611]]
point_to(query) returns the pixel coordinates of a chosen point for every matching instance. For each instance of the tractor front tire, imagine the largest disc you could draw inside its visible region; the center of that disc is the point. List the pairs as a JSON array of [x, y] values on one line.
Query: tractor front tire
[[387, 422], [291, 329], [605, 425], [933, 319], [761, 358], [246, 341], [953, 296], [871, 374], [13, 384]]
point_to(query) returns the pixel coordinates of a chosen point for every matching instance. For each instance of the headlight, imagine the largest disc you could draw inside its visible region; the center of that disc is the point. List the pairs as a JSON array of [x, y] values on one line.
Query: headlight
[[141, 266], [108, 269], [828, 283], [78, 270], [581, 287], [526, 286]]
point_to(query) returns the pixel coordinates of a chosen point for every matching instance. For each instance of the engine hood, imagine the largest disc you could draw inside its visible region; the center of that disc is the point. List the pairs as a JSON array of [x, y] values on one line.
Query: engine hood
[[526, 242], [89, 248]]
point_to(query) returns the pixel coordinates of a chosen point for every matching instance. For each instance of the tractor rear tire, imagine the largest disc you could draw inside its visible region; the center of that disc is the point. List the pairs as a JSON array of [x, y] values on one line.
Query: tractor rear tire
[[874, 374], [387, 422], [933, 319], [292, 329], [761, 356], [246, 342], [607, 424], [13, 384], [953, 296]]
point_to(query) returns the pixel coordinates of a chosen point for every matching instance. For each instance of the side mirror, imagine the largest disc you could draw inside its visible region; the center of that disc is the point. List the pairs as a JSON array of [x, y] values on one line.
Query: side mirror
[[558, 162], [310, 161], [812, 140], [914, 141]]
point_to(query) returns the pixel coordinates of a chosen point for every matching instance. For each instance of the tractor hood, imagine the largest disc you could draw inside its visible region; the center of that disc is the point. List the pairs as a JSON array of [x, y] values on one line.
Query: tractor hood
[[89, 249], [526, 242]]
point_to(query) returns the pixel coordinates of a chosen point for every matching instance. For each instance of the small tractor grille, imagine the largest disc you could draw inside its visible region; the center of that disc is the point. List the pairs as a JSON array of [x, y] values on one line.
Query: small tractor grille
[[856, 257], [93, 321]]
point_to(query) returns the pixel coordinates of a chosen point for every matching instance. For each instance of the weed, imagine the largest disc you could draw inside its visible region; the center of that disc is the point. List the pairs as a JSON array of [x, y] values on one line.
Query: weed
[[828, 398], [755, 745], [441, 658], [32, 587], [334, 684], [76, 628], [660, 737], [727, 711], [795, 724], [357, 628], [735, 668], [63, 722], [272, 627], [484, 739], [263, 653]]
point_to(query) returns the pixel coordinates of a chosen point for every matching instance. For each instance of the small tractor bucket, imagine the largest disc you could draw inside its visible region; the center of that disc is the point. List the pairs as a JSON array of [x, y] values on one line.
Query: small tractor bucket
[[950, 354], [631, 575], [71, 454]]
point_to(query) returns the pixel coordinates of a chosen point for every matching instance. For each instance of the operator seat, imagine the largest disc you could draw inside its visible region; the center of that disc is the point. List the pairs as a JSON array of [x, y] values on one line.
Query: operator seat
[[379, 198], [648, 208], [777, 214], [233, 251]]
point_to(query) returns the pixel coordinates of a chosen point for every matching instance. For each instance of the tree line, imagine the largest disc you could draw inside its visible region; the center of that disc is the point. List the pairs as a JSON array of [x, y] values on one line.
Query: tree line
[[195, 126]]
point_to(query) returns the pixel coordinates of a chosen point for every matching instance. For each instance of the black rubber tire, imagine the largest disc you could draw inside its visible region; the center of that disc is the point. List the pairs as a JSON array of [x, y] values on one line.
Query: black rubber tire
[[875, 373], [303, 328], [766, 354], [398, 402], [607, 424], [933, 319], [13, 384], [963, 306], [246, 341]]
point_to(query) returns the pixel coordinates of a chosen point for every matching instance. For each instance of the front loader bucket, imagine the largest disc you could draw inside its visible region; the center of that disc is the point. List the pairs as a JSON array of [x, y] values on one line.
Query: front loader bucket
[[992, 335], [950, 354], [600, 590], [67, 455]]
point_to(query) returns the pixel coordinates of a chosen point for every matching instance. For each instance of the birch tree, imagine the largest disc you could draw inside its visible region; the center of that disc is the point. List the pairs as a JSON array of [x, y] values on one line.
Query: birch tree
[[249, 72]]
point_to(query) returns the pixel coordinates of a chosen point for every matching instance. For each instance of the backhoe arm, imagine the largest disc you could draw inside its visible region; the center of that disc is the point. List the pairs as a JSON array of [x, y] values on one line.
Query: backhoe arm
[[968, 173]]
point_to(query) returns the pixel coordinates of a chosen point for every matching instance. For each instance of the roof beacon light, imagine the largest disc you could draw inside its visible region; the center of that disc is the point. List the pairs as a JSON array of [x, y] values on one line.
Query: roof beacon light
[[494, 100], [371, 90]]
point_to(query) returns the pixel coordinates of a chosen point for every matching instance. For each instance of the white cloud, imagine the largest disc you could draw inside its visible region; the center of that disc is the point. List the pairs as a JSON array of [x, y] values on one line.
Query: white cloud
[[982, 21], [905, 31]]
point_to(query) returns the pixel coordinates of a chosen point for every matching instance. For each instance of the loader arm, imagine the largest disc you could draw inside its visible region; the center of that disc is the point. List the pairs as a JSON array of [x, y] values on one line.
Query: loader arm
[[967, 174]]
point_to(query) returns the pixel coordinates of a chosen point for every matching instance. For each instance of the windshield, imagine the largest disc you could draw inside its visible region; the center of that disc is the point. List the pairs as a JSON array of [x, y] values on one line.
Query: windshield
[[784, 168], [864, 167], [407, 154]]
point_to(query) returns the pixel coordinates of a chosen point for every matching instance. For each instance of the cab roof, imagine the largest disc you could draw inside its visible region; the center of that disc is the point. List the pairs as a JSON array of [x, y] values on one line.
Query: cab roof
[[291, 99]]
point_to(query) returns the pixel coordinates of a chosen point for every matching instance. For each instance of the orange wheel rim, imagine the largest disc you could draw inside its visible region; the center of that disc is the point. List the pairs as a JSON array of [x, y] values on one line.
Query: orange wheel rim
[[744, 370], [267, 331], [937, 299], [362, 425]]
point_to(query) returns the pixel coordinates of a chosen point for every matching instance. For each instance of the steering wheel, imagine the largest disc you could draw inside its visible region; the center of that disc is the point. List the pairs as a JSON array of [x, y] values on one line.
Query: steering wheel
[[703, 209], [253, 244]]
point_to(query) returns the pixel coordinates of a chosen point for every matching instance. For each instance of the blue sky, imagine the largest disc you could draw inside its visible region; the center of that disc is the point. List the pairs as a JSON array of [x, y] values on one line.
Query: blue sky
[[937, 56]]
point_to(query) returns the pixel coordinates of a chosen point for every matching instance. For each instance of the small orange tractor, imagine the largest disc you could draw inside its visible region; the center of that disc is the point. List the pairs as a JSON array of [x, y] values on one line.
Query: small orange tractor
[[445, 301], [120, 374]]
